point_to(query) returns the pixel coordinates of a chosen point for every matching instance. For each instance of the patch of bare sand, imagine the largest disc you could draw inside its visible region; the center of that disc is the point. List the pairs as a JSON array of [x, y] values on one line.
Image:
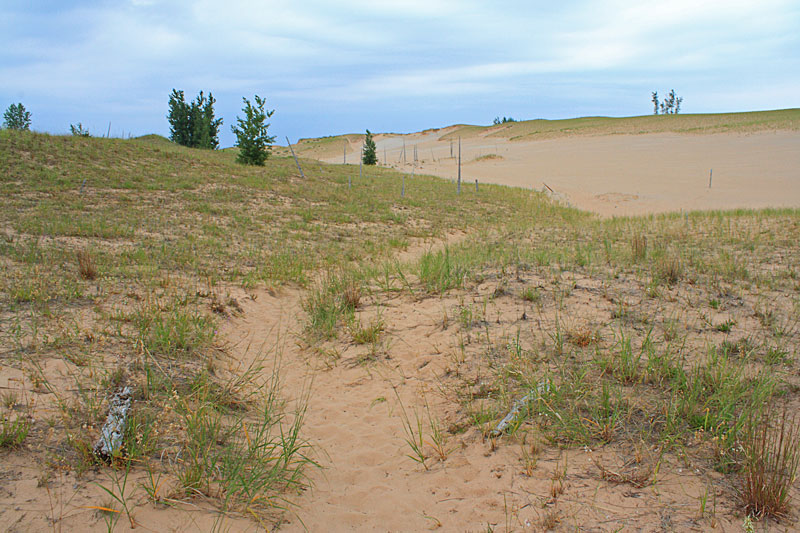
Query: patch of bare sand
[[619, 175]]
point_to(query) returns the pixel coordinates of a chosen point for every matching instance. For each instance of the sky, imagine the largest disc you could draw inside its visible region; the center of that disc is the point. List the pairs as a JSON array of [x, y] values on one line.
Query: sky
[[391, 66]]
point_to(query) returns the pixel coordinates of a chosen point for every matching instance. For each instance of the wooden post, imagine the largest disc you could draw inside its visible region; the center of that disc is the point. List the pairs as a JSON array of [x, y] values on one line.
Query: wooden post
[[710, 173], [451, 148], [360, 162], [459, 165], [385, 161], [476, 185], [295, 159]]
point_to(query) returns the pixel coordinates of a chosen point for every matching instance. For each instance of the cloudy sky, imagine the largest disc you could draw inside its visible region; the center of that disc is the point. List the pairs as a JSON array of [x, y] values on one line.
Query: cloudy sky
[[405, 65]]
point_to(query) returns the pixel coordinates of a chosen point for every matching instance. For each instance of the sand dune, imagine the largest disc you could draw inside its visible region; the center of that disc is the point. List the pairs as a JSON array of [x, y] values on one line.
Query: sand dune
[[616, 175]]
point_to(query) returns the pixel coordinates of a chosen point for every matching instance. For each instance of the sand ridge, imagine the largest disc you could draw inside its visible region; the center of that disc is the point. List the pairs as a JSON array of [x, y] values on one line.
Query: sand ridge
[[616, 175]]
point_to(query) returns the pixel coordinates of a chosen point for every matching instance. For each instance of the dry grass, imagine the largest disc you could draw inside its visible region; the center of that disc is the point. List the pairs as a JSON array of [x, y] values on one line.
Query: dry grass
[[86, 265], [772, 455], [670, 380], [639, 247]]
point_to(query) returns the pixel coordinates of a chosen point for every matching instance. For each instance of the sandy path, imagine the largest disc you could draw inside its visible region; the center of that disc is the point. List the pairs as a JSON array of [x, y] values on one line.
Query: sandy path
[[622, 174], [368, 483]]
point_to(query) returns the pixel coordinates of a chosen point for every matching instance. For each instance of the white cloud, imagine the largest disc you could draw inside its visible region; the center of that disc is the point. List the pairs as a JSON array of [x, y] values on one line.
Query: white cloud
[[393, 57]]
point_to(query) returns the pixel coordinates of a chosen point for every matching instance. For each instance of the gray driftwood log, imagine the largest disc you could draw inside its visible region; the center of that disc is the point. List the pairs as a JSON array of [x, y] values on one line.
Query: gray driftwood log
[[110, 441]]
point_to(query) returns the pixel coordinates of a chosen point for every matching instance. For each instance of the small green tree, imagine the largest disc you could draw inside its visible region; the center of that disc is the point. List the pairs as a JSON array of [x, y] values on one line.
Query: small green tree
[[369, 157], [17, 118], [193, 124], [179, 118], [654, 99], [251, 133], [78, 131]]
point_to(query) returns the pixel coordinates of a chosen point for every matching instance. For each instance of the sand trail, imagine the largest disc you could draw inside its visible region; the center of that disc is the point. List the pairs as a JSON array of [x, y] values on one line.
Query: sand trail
[[354, 421]]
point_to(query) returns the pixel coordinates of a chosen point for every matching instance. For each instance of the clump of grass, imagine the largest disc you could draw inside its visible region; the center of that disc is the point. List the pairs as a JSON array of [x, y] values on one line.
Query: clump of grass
[[13, 432], [173, 328], [369, 334], [332, 303], [725, 327], [414, 434], [638, 247], [669, 268], [440, 271], [86, 265], [772, 456], [531, 294], [583, 336], [351, 294], [248, 459]]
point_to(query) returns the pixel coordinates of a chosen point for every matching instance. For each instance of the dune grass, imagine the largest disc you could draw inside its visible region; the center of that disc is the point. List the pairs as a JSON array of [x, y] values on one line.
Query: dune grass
[[118, 256]]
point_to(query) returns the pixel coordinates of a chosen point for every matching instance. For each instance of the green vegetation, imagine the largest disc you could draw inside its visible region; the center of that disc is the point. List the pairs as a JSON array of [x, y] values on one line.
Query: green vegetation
[[369, 157], [118, 258], [661, 337], [16, 117], [78, 130], [251, 133], [193, 124], [497, 120], [671, 105]]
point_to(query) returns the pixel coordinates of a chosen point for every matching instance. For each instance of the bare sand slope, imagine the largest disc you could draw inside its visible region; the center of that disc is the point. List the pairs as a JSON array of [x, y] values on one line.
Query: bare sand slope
[[619, 174]]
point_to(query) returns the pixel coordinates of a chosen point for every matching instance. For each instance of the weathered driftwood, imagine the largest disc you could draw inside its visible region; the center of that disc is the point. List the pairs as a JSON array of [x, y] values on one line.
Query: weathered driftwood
[[515, 409], [110, 441]]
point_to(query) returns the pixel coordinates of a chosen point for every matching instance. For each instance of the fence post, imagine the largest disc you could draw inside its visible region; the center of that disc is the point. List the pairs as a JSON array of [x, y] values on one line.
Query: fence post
[[459, 165], [710, 173], [476, 185], [295, 159]]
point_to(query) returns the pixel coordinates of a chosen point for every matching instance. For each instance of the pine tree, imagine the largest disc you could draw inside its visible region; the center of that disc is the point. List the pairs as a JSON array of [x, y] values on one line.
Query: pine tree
[[654, 99], [179, 118], [369, 157], [17, 118], [193, 124], [212, 125], [251, 133]]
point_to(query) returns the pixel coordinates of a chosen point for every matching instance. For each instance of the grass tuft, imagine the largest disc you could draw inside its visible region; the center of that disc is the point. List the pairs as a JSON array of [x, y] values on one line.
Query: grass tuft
[[772, 455], [86, 265]]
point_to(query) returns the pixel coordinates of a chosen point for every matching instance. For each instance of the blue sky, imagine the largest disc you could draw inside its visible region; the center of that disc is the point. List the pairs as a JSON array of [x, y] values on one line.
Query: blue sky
[[337, 67]]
